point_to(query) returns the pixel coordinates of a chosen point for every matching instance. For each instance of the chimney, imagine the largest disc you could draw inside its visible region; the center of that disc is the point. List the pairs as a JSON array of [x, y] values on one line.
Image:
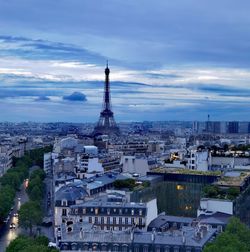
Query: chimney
[[153, 235], [183, 237], [132, 235], [81, 234]]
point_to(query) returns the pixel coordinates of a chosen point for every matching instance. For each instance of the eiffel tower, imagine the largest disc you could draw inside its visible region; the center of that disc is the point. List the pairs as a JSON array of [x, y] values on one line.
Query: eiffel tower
[[106, 124]]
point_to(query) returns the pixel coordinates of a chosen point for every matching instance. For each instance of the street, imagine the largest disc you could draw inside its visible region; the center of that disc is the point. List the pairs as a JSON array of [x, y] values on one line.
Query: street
[[8, 234]]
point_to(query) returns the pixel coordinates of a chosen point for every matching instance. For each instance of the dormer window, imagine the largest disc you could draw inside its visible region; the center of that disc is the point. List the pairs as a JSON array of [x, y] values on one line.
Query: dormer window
[[64, 202]]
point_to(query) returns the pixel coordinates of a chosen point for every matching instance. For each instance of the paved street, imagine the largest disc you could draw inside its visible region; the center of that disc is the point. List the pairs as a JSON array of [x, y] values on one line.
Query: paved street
[[8, 234]]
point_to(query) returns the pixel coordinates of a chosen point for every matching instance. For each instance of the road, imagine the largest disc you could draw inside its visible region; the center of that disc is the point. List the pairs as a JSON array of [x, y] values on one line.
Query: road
[[8, 234]]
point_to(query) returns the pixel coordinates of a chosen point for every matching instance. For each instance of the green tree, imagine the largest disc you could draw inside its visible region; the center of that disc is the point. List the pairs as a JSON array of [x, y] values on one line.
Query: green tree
[[27, 244], [125, 183], [240, 230], [211, 191], [42, 240], [233, 192], [19, 243], [236, 238], [226, 242], [36, 248], [12, 179], [30, 215], [34, 182], [36, 193], [7, 195], [38, 173]]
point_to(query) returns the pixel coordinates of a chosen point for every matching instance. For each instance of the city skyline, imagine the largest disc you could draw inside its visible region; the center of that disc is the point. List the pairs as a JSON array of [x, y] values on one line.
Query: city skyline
[[169, 61]]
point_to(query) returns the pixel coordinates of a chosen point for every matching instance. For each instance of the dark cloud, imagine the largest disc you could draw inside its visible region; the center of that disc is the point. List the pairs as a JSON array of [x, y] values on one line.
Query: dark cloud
[[76, 96]]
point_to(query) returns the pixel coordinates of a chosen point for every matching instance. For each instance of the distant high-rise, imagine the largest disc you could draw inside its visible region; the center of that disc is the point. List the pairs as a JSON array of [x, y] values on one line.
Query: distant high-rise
[[106, 124], [233, 127]]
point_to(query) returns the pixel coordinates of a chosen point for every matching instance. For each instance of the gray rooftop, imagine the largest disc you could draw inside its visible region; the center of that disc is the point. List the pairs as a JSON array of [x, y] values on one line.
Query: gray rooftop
[[70, 193], [161, 220], [121, 237]]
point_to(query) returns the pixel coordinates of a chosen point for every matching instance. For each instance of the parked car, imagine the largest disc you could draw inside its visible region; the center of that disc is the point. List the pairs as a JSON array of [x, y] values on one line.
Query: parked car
[[12, 226]]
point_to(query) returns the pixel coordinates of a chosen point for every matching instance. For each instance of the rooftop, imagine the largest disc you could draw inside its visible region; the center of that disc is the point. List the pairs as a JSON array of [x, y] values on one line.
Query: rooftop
[[188, 234], [185, 171], [237, 179]]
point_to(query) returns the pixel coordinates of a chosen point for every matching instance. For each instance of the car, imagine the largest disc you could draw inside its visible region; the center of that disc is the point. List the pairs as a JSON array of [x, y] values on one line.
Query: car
[[15, 215], [12, 225]]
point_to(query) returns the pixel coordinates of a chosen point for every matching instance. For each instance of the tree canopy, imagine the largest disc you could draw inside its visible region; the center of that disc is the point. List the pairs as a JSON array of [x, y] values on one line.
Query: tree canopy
[[236, 238], [30, 214], [28, 244]]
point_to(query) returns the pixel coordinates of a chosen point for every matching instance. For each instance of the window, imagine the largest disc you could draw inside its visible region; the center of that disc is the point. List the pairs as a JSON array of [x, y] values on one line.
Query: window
[[140, 221], [86, 247], [124, 248], [120, 220], [132, 221], [137, 249], [104, 247], [64, 202], [108, 211], [90, 219], [114, 220], [157, 249], [126, 221], [84, 210], [116, 247], [102, 220], [64, 212], [96, 220], [120, 211], [140, 212], [96, 211], [108, 220], [132, 212]]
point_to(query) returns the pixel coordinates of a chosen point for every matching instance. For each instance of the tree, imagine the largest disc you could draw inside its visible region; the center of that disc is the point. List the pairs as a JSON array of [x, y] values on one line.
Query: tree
[[30, 214], [124, 183], [42, 240], [226, 242], [211, 191], [36, 193], [39, 172], [27, 244], [12, 179], [233, 192], [19, 243], [7, 195], [236, 238], [236, 227]]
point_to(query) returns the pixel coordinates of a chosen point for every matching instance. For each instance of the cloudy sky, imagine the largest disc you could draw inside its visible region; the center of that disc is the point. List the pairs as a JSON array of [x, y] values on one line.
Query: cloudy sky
[[169, 60]]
